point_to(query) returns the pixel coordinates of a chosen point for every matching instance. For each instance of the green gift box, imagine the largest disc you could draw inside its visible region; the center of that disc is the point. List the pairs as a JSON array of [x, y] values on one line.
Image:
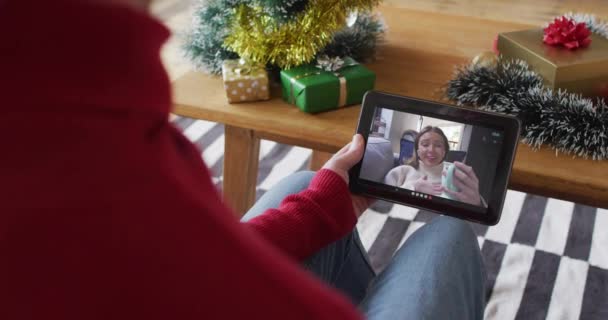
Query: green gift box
[[315, 89]]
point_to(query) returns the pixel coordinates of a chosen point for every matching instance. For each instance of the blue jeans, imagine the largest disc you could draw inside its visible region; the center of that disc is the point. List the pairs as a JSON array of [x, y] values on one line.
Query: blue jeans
[[437, 274]]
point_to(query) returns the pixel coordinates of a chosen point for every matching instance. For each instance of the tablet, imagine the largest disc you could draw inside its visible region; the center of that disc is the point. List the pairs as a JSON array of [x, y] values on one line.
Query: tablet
[[450, 160]]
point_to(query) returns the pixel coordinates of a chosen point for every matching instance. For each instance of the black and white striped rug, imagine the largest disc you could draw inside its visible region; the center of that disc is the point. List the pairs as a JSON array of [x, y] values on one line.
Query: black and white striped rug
[[546, 259]]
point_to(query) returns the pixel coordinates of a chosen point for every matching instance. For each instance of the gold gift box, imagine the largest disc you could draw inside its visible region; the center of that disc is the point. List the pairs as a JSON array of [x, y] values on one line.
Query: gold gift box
[[244, 82], [584, 70]]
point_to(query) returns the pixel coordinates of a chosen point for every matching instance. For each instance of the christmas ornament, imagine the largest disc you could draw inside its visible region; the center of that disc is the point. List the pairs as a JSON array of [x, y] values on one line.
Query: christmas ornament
[[351, 19], [568, 33]]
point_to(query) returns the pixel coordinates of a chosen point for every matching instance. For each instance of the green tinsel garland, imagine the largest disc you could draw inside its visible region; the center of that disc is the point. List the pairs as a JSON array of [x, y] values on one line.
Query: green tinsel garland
[[565, 121]]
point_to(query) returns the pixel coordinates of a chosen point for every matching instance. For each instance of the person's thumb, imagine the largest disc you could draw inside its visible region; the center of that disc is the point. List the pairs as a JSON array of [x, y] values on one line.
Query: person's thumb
[[346, 158], [354, 153]]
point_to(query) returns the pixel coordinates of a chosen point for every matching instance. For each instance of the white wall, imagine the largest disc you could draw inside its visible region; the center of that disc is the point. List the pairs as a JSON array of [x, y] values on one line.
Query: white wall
[[387, 116], [428, 121]]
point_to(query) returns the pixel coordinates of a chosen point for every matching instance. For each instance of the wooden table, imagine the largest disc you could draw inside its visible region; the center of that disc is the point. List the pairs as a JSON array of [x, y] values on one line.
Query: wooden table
[[417, 59]]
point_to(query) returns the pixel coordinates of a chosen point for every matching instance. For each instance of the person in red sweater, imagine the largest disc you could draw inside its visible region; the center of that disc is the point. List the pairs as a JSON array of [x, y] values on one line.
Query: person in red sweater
[[108, 211]]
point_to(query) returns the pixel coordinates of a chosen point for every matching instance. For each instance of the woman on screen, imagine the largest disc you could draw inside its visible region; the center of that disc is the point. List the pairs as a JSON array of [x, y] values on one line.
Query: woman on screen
[[424, 171]]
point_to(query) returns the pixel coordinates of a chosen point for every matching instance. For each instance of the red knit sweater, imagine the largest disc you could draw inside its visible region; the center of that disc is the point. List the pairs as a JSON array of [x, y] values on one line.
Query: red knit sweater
[[108, 212]]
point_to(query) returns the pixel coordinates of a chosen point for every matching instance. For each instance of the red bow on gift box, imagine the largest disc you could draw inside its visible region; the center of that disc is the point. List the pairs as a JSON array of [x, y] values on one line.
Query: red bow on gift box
[[568, 33]]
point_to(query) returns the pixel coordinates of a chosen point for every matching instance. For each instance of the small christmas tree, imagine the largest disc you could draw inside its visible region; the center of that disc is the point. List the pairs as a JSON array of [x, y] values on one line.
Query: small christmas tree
[[281, 33]]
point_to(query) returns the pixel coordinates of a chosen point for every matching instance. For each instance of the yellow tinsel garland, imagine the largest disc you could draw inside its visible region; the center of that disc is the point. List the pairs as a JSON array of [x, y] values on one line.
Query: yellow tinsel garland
[[261, 39]]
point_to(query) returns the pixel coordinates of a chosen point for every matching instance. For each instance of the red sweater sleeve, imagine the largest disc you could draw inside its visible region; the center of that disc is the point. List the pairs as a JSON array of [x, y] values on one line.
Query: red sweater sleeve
[[306, 222], [114, 215]]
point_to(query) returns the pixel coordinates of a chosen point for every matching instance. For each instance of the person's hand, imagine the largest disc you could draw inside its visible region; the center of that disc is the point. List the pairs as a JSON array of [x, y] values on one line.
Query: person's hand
[[343, 161], [466, 181], [425, 186]]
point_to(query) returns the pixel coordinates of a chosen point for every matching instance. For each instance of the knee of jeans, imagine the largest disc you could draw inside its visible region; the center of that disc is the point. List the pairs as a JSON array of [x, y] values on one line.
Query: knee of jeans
[[304, 175], [461, 234], [292, 184], [300, 180], [455, 229], [295, 182], [461, 239]]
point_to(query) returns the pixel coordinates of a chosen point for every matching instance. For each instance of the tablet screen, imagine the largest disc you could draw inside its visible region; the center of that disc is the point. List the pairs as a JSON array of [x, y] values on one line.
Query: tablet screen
[[431, 158]]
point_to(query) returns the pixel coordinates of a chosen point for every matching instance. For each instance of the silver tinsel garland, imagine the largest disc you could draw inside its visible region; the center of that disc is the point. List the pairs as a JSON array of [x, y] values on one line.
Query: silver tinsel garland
[[566, 122]]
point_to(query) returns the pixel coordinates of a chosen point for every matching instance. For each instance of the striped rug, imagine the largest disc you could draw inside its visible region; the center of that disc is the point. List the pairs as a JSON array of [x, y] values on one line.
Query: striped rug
[[546, 259]]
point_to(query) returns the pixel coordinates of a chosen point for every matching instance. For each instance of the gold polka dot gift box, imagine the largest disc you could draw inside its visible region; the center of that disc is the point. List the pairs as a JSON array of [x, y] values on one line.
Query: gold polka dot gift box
[[244, 82]]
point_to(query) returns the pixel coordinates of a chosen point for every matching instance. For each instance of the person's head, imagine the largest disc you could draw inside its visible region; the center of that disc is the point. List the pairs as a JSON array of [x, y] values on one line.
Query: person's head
[[430, 147], [136, 4]]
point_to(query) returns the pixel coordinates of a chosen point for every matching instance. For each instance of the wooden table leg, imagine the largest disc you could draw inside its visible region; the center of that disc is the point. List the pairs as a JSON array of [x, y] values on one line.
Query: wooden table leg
[[241, 156], [318, 159]]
